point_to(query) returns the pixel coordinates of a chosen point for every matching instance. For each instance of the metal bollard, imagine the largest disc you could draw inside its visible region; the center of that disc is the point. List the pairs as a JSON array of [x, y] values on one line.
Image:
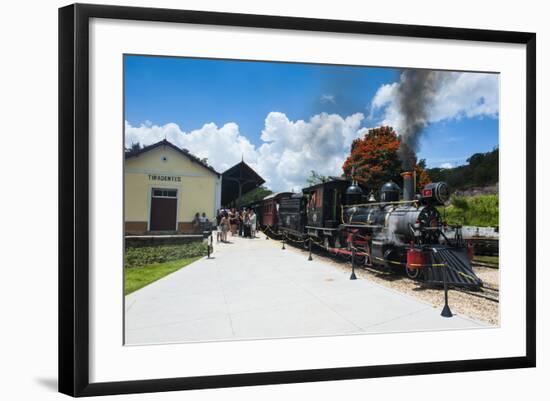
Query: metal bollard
[[283, 242], [353, 276], [446, 312], [309, 258]]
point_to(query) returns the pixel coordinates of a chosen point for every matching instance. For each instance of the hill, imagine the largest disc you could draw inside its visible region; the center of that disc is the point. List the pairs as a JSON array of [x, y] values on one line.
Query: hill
[[481, 171]]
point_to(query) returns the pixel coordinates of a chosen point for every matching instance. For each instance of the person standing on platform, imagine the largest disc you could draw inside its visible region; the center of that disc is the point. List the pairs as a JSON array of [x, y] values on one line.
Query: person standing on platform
[[241, 223], [246, 224], [233, 221], [253, 221], [218, 226], [224, 225]]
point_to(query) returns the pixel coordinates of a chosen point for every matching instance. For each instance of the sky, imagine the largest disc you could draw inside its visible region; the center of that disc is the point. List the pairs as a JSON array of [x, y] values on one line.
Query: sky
[[286, 119]]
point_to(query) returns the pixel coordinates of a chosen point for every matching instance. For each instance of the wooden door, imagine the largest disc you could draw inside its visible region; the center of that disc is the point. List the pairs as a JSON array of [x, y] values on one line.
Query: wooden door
[[164, 206]]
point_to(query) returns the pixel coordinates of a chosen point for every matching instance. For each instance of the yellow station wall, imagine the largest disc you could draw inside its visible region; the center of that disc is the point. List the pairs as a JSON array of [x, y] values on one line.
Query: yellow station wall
[[198, 188]]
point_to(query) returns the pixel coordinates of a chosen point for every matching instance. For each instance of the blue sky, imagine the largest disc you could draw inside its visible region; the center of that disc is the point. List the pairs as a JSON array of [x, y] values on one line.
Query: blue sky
[[213, 98]]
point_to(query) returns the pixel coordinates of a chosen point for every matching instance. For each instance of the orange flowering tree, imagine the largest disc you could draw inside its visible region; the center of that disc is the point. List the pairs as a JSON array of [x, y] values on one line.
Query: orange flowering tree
[[376, 161], [422, 177]]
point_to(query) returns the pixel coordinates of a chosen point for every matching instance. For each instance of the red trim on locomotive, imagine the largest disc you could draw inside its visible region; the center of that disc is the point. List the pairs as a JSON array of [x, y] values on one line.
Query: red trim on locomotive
[[416, 258]]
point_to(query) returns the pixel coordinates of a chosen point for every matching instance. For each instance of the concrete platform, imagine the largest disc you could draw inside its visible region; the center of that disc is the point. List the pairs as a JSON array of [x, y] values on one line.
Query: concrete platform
[[253, 289]]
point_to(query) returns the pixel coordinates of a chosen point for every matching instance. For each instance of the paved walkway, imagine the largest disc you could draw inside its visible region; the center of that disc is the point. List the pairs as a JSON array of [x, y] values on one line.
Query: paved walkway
[[253, 289]]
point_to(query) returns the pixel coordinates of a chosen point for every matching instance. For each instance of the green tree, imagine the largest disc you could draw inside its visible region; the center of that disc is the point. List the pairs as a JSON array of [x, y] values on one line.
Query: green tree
[[481, 170], [134, 148], [316, 178], [255, 195]]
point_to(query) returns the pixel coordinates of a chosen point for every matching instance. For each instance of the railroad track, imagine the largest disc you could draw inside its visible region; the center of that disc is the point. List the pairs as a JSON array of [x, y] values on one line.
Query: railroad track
[[488, 293], [480, 264]]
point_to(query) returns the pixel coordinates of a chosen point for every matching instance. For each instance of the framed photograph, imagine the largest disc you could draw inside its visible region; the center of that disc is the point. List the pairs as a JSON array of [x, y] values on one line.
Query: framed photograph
[[252, 199]]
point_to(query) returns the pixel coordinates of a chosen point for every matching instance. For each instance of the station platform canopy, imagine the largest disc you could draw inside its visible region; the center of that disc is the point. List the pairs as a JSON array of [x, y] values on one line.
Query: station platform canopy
[[237, 181]]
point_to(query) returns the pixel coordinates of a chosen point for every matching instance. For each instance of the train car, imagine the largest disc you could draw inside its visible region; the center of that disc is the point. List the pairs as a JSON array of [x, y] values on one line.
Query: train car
[[324, 211], [270, 210], [292, 216]]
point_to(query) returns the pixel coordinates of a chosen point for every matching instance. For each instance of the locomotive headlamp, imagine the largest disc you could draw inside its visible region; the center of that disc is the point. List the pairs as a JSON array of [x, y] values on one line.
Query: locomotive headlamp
[[436, 193]]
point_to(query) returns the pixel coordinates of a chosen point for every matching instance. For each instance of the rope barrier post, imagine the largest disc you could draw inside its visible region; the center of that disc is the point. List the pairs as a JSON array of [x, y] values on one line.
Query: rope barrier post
[[283, 242], [265, 232], [353, 276], [446, 312], [208, 245], [309, 245]]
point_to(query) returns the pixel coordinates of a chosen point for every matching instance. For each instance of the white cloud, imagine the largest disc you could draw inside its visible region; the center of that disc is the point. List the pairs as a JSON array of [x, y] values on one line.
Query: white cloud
[[328, 99], [461, 94], [223, 146], [286, 156], [447, 165], [291, 149], [384, 95]]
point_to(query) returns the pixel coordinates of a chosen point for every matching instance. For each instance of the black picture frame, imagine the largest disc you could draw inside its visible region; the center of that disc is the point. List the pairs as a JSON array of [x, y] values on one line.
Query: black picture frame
[[74, 198]]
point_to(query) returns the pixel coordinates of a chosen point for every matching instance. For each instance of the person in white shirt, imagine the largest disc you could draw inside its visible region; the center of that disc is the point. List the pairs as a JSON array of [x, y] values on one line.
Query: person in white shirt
[[253, 220]]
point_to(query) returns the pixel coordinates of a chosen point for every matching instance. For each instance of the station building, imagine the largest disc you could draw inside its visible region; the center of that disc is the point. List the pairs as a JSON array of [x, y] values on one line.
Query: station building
[[164, 186]]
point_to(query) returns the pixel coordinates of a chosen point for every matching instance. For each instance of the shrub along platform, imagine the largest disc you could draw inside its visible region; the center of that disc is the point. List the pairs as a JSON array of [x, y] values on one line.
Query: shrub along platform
[[133, 241], [146, 255]]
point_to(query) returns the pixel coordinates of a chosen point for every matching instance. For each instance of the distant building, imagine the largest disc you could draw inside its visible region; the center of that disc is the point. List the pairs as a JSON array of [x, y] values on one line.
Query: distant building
[[238, 181], [164, 186]]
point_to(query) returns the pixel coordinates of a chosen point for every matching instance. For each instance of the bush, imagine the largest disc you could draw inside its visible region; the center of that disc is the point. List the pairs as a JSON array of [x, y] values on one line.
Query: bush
[[459, 202], [480, 211], [149, 255]]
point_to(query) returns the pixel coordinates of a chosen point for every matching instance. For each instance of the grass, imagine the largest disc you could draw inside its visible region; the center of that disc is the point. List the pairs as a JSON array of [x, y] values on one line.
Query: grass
[[144, 265], [138, 277], [480, 211]]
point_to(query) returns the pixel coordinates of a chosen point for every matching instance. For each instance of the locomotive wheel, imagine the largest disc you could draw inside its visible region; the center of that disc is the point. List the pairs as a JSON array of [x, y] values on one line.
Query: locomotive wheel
[[326, 243], [412, 273]]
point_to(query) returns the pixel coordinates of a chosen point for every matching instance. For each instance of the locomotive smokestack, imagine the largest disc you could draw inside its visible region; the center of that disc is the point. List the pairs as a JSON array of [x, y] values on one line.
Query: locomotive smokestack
[[408, 185]]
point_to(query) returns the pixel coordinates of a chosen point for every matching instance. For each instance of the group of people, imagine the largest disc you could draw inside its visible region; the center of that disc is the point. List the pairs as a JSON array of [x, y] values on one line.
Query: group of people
[[201, 223], [242, 223]]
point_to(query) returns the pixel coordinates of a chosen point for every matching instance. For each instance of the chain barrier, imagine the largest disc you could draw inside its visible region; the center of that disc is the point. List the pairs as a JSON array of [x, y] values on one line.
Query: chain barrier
[[293, 239], [268, 229]]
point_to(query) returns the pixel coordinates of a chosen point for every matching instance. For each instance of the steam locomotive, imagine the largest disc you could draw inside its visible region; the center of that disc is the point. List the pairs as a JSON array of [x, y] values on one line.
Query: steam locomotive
[[387, 232]]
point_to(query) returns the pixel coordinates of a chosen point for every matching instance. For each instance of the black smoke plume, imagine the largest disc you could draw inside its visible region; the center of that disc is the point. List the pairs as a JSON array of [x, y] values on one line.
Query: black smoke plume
[[415, 95]]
